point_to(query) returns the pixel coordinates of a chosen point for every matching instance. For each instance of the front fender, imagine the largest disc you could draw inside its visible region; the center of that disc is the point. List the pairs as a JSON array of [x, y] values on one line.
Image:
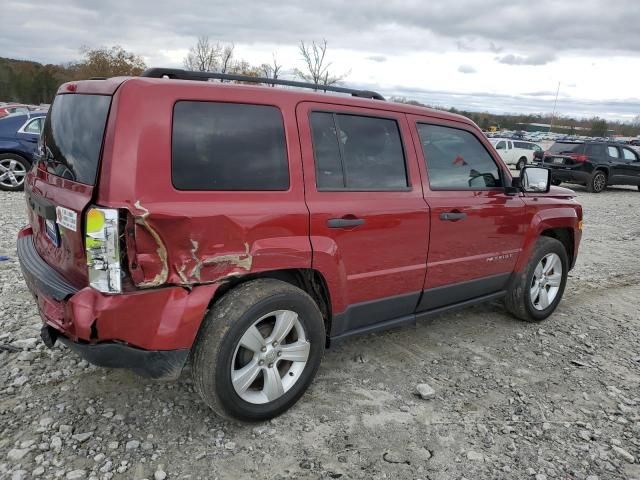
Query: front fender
[[553, 218]]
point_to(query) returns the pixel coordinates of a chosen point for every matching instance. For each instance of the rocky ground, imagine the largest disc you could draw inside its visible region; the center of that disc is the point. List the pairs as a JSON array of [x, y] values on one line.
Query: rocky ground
[[556, 400]]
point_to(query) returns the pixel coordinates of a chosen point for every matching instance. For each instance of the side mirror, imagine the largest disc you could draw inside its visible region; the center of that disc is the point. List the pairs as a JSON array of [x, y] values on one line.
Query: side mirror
[[535, 180]]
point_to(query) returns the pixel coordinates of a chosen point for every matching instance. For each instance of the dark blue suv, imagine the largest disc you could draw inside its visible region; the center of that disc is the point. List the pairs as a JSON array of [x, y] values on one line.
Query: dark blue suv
[[19, 134]]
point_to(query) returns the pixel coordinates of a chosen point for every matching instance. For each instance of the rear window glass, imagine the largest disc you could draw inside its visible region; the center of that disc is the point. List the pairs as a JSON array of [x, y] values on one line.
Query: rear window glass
[[228, 146], [564, 148], [72, 136]]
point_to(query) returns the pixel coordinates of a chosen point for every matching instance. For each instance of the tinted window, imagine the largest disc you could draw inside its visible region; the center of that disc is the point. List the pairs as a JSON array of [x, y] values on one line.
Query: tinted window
[[501, 145], [72, 136], [629, 155], [456, 159], [596, 150], [228, 146], [562, 148], [613, 152], [521, 145], [357, 153]]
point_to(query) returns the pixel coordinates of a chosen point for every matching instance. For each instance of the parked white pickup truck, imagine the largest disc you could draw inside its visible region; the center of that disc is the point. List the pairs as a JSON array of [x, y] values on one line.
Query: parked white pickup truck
[[515, 152]]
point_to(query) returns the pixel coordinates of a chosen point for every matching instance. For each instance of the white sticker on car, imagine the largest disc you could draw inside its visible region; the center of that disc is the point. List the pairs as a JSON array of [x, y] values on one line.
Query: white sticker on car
[[67, 218]]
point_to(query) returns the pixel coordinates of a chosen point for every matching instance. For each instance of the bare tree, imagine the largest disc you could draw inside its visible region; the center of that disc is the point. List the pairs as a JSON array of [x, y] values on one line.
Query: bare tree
[[271, 70], [204, 56], [316, 68], [226, 59]]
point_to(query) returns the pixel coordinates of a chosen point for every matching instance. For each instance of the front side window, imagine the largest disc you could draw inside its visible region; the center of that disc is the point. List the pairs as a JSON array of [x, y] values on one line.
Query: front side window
[[456, 160], [228, 146], [501, 145], [355, 152]]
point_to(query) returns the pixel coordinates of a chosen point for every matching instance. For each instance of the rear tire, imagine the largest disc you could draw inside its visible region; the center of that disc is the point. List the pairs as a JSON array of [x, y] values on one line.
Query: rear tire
[[527, 284], [598, 182], [13, 171], [521, 163], [556, 182], [244, 375]]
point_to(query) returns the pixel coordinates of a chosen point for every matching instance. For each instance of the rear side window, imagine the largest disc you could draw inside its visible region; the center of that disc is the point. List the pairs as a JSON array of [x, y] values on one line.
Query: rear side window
[[34, 126], [561, 148], [228, 146], [595, 150], [456, 160], [629, 155], [72, 136], [354, 152], [613, 152]]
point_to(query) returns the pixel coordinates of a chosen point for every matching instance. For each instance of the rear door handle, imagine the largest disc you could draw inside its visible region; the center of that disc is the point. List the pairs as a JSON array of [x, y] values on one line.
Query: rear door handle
[[344, 222], [452, 216]]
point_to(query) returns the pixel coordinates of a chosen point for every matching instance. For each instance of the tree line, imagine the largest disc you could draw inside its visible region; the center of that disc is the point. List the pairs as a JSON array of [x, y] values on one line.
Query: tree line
[[34, 83]]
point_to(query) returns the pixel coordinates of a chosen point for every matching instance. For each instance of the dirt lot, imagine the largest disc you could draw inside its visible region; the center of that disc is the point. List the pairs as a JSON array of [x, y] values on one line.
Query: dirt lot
[[560, 399]]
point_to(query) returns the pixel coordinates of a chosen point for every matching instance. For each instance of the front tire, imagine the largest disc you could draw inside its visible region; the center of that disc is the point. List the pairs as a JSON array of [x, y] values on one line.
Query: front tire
[[535, 293], [13, 171], [598, 182], [258, 350], [556, 182]]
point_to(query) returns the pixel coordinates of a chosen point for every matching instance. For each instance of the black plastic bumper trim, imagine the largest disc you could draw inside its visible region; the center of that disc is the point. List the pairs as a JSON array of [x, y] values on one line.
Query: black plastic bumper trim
[[39, 273], [165, 364]]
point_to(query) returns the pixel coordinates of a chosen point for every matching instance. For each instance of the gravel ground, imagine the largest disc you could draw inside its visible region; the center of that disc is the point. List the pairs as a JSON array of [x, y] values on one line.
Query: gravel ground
[[560, 399]]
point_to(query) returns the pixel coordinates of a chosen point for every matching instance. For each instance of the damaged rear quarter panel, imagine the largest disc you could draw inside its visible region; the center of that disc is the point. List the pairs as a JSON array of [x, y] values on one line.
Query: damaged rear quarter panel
[[194, 237]]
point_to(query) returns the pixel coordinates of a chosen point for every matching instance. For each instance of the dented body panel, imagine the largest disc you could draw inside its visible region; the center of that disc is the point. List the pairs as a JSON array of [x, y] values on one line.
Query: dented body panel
[[182, 247]]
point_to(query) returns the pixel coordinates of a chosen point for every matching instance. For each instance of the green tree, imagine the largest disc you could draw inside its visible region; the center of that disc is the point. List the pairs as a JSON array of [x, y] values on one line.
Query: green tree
[[107, 62]]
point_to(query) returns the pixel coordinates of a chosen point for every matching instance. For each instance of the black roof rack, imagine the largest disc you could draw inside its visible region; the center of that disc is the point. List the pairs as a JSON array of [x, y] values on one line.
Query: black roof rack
[[180, 74]]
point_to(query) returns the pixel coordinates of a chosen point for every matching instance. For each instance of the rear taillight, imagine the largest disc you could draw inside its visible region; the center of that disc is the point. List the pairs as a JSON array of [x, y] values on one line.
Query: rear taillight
[[103, 249], [579, 158]]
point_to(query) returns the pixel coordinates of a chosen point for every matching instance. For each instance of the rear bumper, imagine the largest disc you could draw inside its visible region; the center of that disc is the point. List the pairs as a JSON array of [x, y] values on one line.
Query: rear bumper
[[149, 331], [165, 364]]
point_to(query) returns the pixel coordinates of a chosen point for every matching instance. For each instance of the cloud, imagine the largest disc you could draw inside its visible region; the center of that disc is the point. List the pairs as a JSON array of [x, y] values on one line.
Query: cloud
[[377, 58], [612, 109], [541, 93], [535, 59], [493, 48], [53, 31], [466, 69]]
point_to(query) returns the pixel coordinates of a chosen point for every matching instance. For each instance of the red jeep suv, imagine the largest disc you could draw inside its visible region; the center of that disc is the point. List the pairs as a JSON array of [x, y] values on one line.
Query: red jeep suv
[[242, 228]]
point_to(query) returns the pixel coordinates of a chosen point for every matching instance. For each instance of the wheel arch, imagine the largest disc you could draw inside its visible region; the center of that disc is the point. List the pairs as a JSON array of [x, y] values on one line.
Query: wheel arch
[[563, 235], [561, 224], [309, 280]]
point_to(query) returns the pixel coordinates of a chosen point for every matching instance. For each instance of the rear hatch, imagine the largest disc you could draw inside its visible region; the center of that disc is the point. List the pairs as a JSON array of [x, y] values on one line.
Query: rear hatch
[[62, 184], [564, 154]]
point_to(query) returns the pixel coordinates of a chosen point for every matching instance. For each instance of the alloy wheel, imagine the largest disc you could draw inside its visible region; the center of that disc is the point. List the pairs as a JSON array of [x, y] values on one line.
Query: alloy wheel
[[546, 281], [599, 182], [270, 357], [12, 173]]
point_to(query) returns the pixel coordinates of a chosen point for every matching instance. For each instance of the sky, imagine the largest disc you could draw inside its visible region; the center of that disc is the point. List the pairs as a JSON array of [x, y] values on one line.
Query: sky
[[501, 56]]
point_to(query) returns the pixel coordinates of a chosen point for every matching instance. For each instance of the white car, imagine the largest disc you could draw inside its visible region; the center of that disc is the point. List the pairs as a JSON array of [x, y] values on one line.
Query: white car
[[515, 152]]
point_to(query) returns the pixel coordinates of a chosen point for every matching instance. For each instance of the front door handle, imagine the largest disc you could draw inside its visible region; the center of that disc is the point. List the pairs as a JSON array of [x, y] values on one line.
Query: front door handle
[[344, 222], [452, 216]]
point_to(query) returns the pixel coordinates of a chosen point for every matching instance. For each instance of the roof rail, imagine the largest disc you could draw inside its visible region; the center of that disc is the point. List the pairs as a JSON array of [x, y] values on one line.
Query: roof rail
[[180, 74]]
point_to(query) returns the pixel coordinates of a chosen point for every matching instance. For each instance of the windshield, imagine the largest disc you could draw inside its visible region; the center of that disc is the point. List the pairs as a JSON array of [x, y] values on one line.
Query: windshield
[[72, 136], [566, 148]]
